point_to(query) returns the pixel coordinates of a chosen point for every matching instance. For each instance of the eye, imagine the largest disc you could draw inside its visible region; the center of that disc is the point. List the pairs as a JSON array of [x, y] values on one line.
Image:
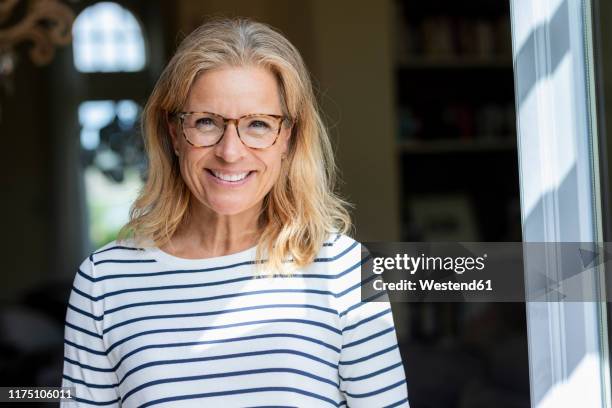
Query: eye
[[259, 124], [203, 123]]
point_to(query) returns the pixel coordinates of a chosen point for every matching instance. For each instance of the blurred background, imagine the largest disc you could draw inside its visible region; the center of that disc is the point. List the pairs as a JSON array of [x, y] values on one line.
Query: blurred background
[[419, 98]]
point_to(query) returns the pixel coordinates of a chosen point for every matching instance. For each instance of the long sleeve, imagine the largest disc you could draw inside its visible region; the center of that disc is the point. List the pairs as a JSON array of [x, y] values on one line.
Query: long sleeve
[[371, 369], [86, 365]]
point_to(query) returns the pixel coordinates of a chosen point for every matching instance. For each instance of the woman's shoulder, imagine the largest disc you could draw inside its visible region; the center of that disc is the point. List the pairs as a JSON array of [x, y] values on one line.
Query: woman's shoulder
[[118, 247], [340, 260], [339, 248], [337, 240], [117, 251]]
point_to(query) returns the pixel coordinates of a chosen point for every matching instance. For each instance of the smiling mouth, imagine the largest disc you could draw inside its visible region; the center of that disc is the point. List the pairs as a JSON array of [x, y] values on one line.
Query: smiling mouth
[[230, 178]]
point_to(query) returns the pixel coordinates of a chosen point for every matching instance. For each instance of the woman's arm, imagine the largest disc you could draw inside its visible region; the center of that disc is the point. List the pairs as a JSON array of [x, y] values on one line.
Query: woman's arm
[[86, 364], [371, 369]]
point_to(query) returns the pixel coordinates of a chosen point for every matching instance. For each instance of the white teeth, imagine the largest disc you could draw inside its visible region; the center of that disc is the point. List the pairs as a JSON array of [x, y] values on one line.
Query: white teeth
[[230, 177]]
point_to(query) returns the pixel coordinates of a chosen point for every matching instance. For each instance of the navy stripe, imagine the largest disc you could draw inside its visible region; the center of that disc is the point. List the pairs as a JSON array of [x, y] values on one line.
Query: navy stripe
[[72, 326], [193, 285], [187, 329], [361, 359], [376, 392], [85, 401], [87, 349], [84, 313], [371, 298], [125, 261], [219, 312], [75, 381], [89, 367], [339, 255], [80, 292], [174, 271], [83, 274], [186, 286], [117, 247], [357, 285], [360, 304], [243, 391], [359, 323], [230, 374], [228, 340], [398, 403], [373, 374], [217, 297], [217, 268], [227, 356], [333, 242], [373, 336]]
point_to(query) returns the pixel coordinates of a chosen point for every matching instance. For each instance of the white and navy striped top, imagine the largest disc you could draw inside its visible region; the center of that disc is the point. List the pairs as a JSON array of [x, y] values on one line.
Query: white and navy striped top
[[145, 328]]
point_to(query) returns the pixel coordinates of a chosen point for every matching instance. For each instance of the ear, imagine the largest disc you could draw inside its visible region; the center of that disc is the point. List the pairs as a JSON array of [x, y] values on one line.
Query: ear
[[287, 132], [172, 130]]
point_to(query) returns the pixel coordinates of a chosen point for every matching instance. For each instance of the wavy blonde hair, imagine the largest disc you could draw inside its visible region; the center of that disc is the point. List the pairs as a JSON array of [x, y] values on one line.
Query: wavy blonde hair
[[302, 208]]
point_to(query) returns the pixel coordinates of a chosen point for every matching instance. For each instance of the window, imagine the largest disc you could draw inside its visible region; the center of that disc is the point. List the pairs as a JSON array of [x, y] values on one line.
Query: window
[[114, 164], [107, 38]]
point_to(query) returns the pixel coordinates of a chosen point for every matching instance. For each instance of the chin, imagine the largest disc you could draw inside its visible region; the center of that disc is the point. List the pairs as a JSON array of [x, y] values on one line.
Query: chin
[[228, 211], [229, 208]]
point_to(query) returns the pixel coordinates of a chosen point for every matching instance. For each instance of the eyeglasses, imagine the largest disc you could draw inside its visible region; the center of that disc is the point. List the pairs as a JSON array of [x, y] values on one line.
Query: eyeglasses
[[204, 129]]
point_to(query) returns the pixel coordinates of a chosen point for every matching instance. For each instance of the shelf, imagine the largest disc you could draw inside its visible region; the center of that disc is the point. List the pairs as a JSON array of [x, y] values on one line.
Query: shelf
[[457, 146], [450, 62]]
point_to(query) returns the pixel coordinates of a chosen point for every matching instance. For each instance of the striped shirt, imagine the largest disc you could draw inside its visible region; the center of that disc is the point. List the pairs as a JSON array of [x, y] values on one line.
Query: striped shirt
[[145, 328]]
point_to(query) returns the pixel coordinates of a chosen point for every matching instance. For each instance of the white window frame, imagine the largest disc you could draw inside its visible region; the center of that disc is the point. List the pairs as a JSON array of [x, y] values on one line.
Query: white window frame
[[560, 193]]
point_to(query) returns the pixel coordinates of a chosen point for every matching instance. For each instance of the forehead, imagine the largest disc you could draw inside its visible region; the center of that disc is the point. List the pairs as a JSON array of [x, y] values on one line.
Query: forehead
[[235, 91]]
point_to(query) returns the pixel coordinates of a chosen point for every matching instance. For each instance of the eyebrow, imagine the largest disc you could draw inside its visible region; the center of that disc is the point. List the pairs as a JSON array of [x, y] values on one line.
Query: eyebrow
[[240, 116]]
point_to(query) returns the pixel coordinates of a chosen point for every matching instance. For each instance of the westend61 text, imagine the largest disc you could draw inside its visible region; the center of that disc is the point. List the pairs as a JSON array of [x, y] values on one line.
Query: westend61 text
[[429, 284]]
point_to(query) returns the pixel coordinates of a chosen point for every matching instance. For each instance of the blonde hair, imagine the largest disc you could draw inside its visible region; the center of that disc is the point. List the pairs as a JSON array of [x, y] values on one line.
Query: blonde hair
[[302, 208]]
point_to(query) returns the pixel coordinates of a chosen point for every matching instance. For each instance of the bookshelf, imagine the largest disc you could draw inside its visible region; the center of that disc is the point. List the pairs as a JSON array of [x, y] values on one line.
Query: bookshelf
[[456, 137], [442, 146], [450, 62], [458, 170]]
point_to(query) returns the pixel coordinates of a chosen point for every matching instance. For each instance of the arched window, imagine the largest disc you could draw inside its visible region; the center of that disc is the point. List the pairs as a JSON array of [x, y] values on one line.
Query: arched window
[[107, 38]]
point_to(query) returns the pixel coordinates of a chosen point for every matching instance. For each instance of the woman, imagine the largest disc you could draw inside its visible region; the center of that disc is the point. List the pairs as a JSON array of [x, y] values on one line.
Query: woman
[[240, 185]]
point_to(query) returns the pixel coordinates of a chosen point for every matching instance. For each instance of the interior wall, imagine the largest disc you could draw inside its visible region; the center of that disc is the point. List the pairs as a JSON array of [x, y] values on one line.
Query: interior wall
[[25, 178], [355, 70]]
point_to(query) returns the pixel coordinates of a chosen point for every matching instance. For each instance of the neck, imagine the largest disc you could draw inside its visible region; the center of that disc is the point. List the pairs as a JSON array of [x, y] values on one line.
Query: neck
[[208, 234]]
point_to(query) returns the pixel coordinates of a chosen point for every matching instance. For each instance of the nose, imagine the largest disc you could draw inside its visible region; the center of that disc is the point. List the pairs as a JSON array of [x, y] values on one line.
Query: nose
[[230, 148]]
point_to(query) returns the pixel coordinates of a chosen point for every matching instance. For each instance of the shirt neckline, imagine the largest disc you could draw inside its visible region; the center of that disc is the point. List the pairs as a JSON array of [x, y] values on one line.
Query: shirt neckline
[[169, 259]]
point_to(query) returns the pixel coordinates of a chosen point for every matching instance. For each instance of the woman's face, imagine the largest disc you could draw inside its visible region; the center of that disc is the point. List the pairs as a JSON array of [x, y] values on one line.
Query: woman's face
[[231, 92]]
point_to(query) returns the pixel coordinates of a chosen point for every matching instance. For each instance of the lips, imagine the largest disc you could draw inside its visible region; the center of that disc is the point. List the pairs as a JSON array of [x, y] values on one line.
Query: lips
[[233, 178], [230, 176]]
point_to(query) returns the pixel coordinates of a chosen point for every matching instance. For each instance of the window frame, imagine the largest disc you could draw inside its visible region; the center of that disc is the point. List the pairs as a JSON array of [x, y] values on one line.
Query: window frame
[[552, 45]]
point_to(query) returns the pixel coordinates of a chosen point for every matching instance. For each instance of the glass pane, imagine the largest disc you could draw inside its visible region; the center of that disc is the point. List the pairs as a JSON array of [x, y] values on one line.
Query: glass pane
[[107, 38], [114, 164]]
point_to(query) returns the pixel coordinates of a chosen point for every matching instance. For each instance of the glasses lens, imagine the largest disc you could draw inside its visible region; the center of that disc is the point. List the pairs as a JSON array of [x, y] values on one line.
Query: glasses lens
[[259, 131], [203, 129]]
